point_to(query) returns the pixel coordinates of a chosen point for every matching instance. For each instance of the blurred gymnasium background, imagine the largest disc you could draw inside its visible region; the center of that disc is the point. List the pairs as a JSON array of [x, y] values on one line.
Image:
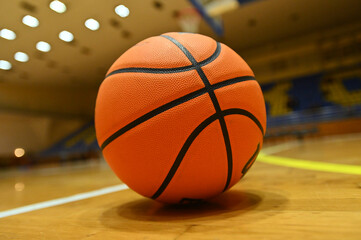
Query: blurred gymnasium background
[[54, 55]]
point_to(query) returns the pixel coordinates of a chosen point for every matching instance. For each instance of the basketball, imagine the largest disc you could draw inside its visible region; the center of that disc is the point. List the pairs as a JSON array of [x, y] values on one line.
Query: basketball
[[180, 117], [167, 119]]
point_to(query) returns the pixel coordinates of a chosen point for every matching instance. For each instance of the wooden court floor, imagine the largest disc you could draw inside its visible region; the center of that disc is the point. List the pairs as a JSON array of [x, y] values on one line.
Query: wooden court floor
[[275, 200]]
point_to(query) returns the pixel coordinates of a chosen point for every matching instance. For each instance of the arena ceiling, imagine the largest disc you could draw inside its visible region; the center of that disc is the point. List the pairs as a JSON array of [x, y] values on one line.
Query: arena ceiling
[[65, 79]]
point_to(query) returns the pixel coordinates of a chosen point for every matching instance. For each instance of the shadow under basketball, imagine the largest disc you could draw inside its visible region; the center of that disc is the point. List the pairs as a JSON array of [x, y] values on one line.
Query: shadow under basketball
[[227, 205], [150, 210]]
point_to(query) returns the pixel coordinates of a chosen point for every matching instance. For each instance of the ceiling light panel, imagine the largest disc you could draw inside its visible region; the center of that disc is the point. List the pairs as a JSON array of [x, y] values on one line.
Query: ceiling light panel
[[43, 46], [5, 65], [57, 6], [92, 24], [66, 36], [21, 57], [7, 34], [30, 21], [122, 11]]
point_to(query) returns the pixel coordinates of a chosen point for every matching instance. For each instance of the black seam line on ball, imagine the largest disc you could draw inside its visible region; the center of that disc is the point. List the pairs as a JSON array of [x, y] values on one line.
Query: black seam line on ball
[[151, 114], [170, 105], [193, 136], [227, 143], [250, 161], [216, 105], [167, 70]]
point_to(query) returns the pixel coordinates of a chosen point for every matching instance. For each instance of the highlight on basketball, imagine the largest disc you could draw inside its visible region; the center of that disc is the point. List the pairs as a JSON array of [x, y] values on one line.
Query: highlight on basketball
[[191, 119]]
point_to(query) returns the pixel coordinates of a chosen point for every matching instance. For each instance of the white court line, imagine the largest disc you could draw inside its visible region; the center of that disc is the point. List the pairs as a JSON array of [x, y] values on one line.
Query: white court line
[[60, 201]]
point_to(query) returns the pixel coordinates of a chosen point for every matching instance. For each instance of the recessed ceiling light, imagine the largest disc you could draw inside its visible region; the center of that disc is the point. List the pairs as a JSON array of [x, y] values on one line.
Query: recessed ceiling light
[[30, 21], [92, 24], [66, 36], [122, 11], [7, 34], [21, 57], [57, 6], [43, 46], [5, 65]]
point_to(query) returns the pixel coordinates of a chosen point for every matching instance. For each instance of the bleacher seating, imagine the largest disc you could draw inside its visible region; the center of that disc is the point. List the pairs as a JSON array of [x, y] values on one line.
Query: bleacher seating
[[80, 141], [276, 98], [345, 92], [318, 97]]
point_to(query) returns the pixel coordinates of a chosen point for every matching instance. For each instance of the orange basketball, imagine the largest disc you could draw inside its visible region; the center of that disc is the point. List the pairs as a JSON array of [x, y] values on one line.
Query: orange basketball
[[180, 117]]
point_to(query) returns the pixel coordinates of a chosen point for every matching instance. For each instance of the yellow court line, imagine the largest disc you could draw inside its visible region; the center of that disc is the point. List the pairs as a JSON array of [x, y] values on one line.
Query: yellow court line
[[310, 165]]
